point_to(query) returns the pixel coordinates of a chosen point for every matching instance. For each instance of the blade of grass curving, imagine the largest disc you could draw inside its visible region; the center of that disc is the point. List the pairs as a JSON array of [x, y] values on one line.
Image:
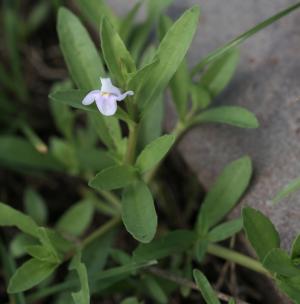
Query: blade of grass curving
[[241, 38]]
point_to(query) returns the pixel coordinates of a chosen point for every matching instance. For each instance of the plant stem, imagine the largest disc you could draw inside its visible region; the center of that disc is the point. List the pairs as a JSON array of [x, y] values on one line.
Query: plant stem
[[101, 231], [132, 141], [237, 258], [112, 198]]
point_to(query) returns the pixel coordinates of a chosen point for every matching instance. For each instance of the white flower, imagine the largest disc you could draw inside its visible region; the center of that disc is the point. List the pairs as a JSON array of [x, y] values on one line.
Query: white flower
[[106, 98]]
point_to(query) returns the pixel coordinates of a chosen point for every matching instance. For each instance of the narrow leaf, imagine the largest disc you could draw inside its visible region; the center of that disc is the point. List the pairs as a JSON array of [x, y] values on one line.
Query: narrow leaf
[[225, 193], [35, 206], [260, 232], [80, 53], [117, 57], [29, 275], [114, 178], [225, 230], [170, 55], [83, 295], [292, 187], [204, 286], [154, 152], [220, 72], [241, 38], [231, 115], [12, 217], [76, 219], [296, 248], [138, 212]]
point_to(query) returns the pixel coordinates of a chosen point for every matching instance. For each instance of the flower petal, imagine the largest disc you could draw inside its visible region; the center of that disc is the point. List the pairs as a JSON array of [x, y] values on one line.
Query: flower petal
[[107, 105], [90, 97], [124, 95], [108, 87]]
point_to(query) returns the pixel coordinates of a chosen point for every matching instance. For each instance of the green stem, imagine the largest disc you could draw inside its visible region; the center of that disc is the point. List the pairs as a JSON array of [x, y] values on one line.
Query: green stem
[[112, 198], [101, 231], [132, 142], [237, 258]]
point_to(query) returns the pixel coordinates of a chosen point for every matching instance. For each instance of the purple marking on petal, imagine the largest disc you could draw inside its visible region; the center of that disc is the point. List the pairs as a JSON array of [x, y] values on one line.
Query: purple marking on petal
[[90, 97], [124, 95], [107, 105]]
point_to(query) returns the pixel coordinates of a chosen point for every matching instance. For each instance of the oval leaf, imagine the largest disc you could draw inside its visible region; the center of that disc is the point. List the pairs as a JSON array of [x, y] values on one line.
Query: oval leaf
[[138, 212], [114, 178], [260, 232], [231, 115], [29, 275], [225, 193], [225, 230], [278, 261], [77, 219], [154, 152]]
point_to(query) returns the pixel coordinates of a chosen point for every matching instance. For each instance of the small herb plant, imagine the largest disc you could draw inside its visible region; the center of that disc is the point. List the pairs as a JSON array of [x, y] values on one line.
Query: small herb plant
[[114, 143]]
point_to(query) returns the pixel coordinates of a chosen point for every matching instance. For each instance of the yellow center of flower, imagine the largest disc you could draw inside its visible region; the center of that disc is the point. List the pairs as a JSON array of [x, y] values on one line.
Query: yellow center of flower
[[105, 94]]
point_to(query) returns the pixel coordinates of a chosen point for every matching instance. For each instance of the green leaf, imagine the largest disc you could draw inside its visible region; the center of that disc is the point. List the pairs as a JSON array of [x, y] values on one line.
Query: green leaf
[[231, 115], [29, 275], [278, 261], [155, 289], [11, 217], [292, 187], [154, 152], [65, 153], [170, 55], [93, 159], [109, 131], [225, 194], [127, 24], [296, 248], [180, 82], [80, 53], [138, 212], [8, 269], [42, 253], [260, 232], [174, 242], [72, 98], [241, 38], [116, 55], [204, 286], [220, 72], [76, 219], [114, 178], [151, 123], [17, 246], [225, 230], [95, 10], [17, 153], [130, 300], [35, 206], [83, 295], [62, 114], [232, 301], [201, 98], [290, 288]]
